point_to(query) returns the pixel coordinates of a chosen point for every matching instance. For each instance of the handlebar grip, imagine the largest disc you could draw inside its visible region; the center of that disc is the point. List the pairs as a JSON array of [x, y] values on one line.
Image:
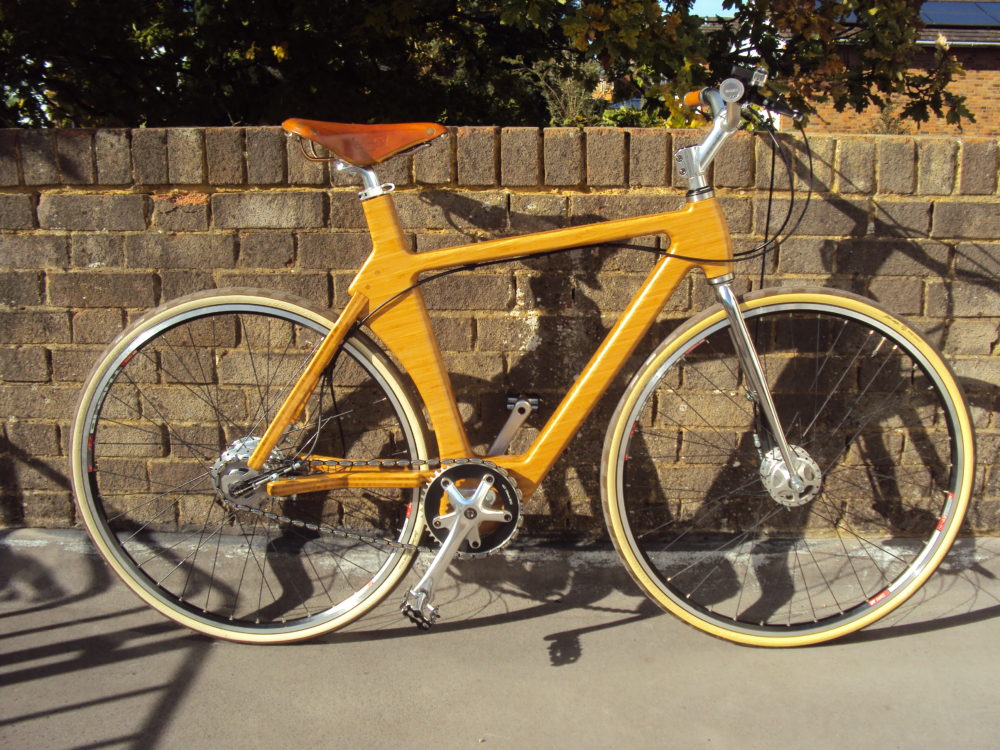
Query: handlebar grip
[[692, 99]]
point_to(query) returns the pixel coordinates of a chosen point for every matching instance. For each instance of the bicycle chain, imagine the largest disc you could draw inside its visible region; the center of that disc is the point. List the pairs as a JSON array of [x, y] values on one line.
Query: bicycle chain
[[357, 536]]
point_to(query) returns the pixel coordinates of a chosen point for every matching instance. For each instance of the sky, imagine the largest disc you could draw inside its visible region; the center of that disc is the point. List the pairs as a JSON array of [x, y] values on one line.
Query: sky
[[708, 8]]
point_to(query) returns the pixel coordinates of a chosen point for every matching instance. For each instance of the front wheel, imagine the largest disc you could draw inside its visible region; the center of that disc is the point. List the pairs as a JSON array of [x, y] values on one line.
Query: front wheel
[[696, 494], [165, 424]]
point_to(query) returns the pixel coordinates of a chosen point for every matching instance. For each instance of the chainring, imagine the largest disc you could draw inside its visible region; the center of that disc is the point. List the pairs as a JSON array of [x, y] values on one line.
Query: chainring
[[505, 496]]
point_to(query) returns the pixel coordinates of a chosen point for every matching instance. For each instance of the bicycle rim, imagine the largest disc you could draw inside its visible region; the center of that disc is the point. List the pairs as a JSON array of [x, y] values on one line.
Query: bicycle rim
[[173, 408], [688, 466]]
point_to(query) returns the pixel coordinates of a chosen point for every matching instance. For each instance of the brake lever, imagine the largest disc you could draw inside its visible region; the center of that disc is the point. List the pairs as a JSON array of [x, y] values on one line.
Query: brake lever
[[776, 106]]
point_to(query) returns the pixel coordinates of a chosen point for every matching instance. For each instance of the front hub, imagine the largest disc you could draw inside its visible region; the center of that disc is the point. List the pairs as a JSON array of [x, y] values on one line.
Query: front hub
[[776, 477]]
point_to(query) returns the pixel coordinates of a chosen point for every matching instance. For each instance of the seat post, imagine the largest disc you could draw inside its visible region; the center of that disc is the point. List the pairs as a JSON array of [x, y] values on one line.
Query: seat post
[[370, 182]]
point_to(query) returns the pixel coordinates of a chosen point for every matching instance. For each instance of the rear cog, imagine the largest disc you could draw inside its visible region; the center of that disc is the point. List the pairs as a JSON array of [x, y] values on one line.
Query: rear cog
[[503, 497]]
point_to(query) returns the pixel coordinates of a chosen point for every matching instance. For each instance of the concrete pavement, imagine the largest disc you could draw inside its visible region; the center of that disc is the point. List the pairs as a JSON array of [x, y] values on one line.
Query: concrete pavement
[[568, 657]]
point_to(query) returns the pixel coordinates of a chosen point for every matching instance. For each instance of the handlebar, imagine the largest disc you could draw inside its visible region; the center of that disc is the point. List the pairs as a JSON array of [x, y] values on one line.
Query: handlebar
[[726, 104]]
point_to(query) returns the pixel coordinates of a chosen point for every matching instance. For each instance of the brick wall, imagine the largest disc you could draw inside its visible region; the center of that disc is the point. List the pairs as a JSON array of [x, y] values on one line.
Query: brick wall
[[97, 226], [979, 85]]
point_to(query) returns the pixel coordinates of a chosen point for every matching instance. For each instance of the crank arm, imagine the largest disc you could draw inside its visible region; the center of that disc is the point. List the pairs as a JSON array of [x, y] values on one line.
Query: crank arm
[[464, 519]]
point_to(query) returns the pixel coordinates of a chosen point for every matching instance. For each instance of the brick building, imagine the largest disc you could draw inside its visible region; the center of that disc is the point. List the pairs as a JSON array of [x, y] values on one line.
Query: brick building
[[972, 32]]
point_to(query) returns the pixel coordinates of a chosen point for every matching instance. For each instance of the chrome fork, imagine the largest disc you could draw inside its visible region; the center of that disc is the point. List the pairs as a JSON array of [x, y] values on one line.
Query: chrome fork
[[758, 388]]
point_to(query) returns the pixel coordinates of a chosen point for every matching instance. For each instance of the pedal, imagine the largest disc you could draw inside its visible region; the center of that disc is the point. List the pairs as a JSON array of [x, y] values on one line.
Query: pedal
[[520, 407], [414, 615]]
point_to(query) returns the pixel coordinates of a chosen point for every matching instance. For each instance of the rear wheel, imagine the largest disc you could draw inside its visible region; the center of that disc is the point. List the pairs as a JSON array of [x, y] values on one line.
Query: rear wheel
[[166, 422], [695, 492]]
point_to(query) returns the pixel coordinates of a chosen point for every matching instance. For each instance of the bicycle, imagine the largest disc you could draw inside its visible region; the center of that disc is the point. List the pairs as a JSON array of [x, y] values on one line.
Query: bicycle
[[785, 468]]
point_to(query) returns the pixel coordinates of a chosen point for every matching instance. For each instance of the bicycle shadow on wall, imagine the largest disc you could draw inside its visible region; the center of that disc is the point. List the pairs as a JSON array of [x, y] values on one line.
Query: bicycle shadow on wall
[[555, 346]]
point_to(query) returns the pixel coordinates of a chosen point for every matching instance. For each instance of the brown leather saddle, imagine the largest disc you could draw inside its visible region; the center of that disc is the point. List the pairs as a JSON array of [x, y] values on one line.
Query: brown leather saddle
[[365, 145]]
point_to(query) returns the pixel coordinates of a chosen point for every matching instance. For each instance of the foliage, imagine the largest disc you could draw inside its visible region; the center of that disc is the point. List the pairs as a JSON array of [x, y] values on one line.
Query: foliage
[[203, 62]]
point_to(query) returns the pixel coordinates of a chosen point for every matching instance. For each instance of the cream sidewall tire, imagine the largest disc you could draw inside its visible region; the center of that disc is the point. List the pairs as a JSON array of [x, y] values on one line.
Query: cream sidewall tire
[[621, 422], [286, 303]]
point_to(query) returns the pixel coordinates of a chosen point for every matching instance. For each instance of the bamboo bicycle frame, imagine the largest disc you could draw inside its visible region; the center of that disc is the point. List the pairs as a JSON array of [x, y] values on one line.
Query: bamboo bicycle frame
[[699, 230]]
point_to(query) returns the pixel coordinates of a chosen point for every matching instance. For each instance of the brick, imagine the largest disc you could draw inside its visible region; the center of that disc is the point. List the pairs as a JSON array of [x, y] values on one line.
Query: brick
[[156, 250], [453, 334], [984, 370], [584, 209], [902, 219], [47, 509], [97, 249], [966, 220], [476, 156], [273, 210], [902, 296], [267, 250], [831, 216], [265, 153], [512, 334], [476, 365], [112, 152], [537, 292], [606, 156], [978, 263], [75, 155], [24, 364], [536, 212], [34, 438], [38, 401], [175, 284], [734, 166], [887, 256], [972, 337], [34, 251], [186, 156], [437, 209], [34, 473], [936, 162], [149, 156], [105, 212], [435, 165], [96, 326], [649, 157], [520, 157], [823, 151], [897, 165], [470, 291], [301, 171], [346, 211], [72, 365], [224, 156], [738, 213], [979, 167], [38, 157], [807, 255], [110, 289], [962, 301], [180, 212], [342, 250], [8, 157], [33, 327], [563, 156], [16, 212], [309, 285], [856, 162], [20, 288]]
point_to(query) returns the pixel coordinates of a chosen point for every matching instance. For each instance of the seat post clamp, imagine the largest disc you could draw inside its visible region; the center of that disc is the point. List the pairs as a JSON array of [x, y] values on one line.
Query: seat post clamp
[[369, 180]]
